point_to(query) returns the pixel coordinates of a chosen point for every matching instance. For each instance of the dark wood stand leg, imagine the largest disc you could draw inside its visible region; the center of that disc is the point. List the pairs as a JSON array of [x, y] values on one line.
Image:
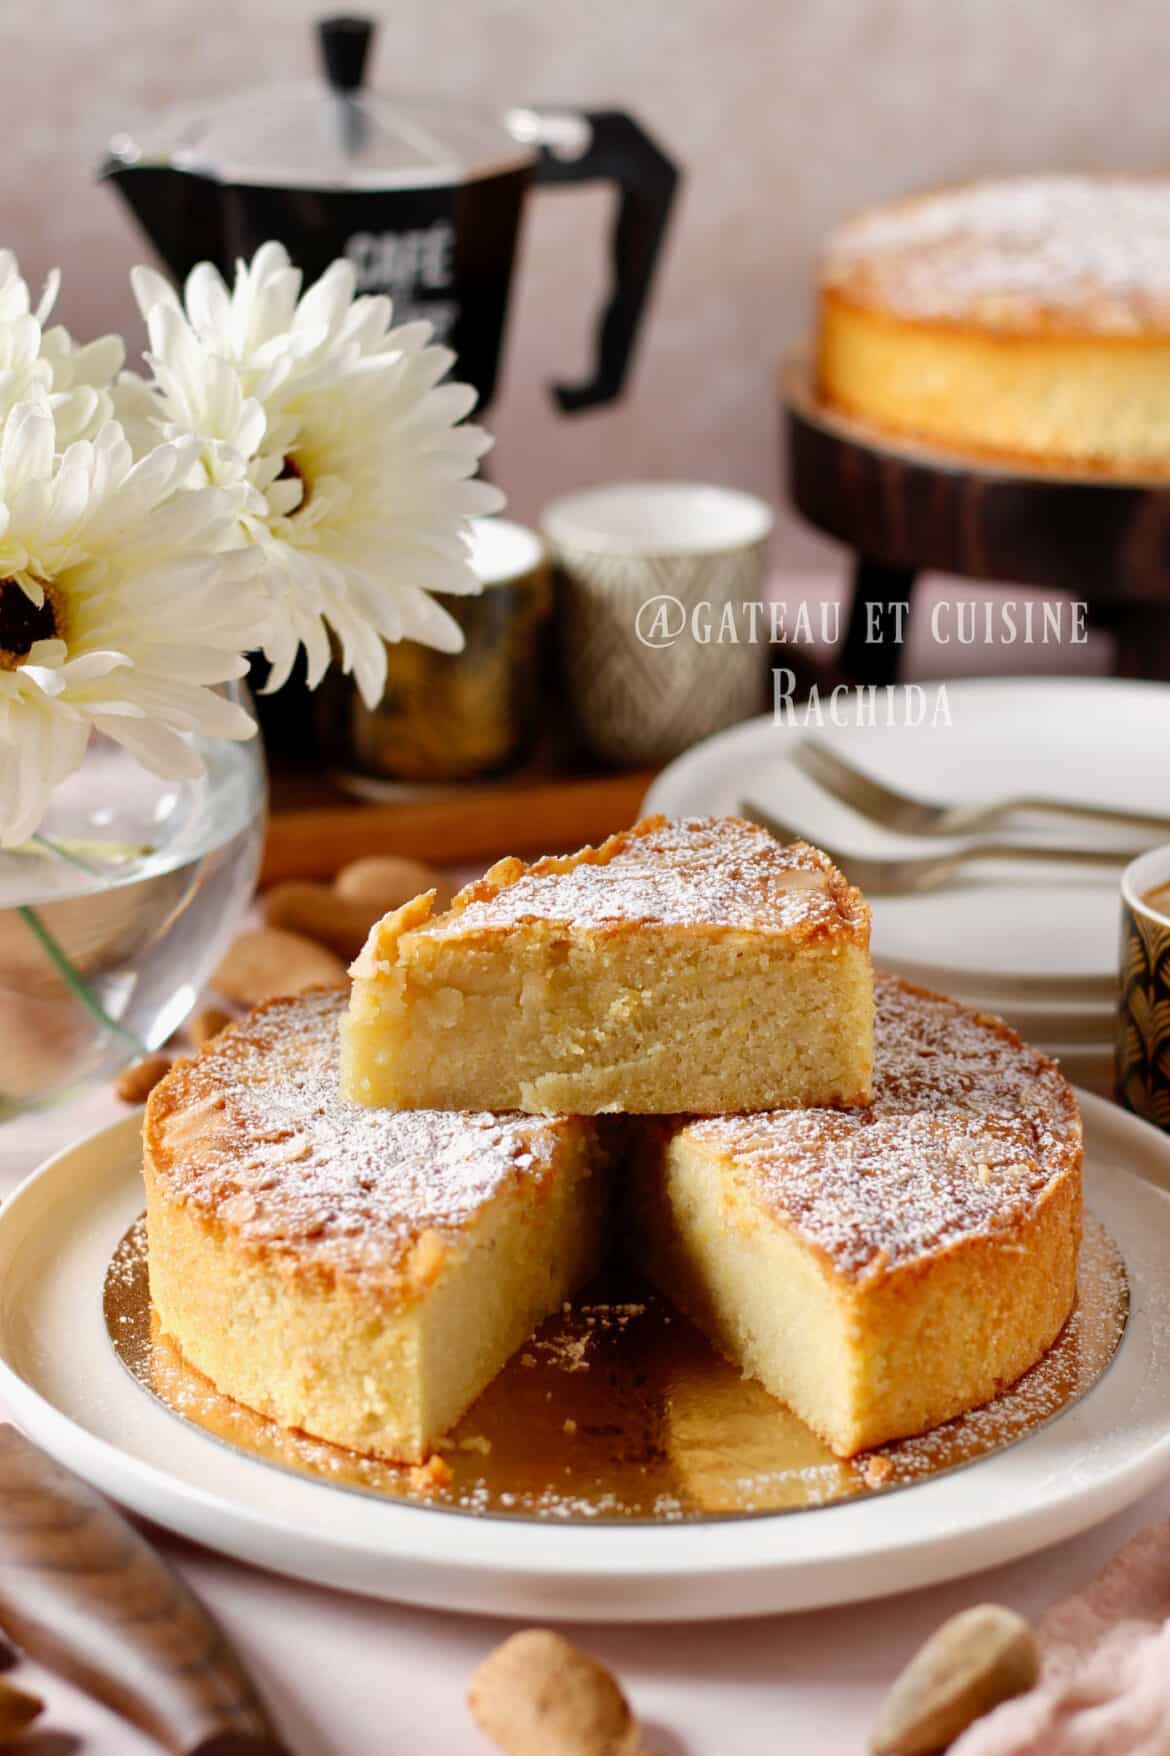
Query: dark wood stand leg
[[1143, 643], [872, 649]]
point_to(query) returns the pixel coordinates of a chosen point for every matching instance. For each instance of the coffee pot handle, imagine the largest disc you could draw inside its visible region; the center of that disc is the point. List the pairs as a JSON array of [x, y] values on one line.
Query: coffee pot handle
[[607, 145]]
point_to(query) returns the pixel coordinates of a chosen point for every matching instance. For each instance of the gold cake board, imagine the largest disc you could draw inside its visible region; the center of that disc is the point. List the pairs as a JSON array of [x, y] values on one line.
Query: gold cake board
[[619, 1410]]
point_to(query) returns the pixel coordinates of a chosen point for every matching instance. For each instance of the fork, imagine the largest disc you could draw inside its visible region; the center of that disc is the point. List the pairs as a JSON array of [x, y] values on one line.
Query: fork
[[914, 816], [900, 874]]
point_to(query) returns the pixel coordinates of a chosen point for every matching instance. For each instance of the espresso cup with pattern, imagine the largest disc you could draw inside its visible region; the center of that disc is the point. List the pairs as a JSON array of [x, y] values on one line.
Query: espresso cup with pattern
[[656, 585], [1143, 1022]]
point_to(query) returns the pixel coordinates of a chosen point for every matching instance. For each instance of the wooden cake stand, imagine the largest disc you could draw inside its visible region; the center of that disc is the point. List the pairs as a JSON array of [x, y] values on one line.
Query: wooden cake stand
[[905, 510]]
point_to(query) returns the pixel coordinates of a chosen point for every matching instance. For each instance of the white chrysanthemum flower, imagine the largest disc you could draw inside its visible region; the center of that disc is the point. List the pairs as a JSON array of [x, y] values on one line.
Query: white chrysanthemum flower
[[23, 374], [117, 613], [355, 456], [39, 364], [81, 383]]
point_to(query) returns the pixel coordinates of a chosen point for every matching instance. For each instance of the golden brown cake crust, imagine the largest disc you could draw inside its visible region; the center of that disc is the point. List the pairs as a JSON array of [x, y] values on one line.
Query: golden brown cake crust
[[254, 1137], [707, 873], [969, 1134]]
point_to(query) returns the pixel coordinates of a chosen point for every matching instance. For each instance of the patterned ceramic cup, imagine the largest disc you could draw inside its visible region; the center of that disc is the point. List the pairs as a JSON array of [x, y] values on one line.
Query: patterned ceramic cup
[[658, 646], [1143, 1024]]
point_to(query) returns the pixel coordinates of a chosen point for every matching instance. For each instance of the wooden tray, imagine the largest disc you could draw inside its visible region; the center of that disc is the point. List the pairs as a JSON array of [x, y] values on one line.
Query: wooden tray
[[314, 828]]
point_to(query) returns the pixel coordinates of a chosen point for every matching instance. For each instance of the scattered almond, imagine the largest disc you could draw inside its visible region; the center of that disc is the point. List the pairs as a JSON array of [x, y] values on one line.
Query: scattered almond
[[974, 1661], [17, 1711], [265, 962], [135, 1083], [206, 1025], [339, 922], [386, 881], [538, 1695]]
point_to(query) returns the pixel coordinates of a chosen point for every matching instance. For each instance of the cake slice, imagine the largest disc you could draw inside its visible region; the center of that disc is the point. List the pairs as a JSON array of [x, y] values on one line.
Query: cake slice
[[884, 1269], [681, 966], [359, 1274]]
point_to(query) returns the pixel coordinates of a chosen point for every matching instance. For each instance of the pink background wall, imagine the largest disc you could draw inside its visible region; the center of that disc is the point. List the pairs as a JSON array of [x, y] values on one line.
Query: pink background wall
[[786, 114]]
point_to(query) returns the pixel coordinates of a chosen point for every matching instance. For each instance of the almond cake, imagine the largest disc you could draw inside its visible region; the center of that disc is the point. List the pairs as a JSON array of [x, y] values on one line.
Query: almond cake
[[692, 965], [878, 1270], [363, 1273], [358, 1274], [1026, 318]]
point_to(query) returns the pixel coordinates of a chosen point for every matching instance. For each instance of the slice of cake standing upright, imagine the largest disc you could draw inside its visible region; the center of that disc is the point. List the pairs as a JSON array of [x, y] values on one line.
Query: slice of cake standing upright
[[682, 966]]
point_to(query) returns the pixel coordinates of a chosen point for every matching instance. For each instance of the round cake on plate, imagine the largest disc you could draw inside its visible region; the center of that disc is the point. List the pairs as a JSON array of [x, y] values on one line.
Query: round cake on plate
[[1026, 319], [361, 1274]]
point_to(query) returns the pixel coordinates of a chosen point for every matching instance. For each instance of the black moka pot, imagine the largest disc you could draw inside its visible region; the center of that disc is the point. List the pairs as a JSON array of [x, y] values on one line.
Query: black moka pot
[[423, 195]]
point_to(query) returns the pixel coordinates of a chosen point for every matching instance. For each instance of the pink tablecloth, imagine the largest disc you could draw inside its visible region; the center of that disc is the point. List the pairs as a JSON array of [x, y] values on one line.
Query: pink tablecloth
[[351, 1677]]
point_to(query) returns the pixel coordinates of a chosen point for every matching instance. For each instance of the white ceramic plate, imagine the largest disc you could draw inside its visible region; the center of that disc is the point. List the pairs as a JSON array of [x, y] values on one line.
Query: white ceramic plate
[[59, 1376], [1052, 928]]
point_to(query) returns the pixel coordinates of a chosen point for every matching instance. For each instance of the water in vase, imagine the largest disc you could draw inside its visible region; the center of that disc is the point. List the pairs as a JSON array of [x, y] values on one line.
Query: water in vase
[[116, 914]]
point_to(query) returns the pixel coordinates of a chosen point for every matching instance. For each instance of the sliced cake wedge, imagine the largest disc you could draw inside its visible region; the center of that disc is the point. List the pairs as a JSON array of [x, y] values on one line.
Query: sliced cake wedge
[[360, 1275], [884, 1269], [691, 966]]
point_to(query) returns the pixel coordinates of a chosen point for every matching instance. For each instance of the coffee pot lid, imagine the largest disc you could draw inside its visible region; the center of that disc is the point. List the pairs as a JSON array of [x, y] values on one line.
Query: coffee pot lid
[[334, 133]]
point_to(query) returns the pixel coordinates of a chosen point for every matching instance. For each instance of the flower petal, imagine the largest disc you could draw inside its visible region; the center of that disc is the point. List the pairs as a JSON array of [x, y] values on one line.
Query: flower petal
[[151, 289]]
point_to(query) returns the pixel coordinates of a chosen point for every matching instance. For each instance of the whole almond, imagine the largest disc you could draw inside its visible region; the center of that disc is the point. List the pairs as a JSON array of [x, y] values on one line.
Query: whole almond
[[538, 1695], [385, 881], [266, 962], [977, 1659], [135, 1083], [316, 910], [17, 1711], [206, 1025]]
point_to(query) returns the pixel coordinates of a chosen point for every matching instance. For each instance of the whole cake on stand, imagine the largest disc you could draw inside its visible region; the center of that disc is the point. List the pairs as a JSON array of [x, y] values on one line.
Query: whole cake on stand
[[988, 395], [1026, 320]]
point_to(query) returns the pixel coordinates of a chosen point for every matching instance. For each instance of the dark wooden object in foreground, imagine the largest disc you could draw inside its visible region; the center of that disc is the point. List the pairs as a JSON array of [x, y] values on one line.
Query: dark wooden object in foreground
[[906, 510], [83, 1594]]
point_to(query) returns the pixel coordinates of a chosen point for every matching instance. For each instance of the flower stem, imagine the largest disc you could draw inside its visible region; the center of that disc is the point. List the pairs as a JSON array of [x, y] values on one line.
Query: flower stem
[[73, 979]]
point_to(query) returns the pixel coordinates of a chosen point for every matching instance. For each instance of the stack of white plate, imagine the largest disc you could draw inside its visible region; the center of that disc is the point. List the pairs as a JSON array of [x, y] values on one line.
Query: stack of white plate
[[1036, 943]]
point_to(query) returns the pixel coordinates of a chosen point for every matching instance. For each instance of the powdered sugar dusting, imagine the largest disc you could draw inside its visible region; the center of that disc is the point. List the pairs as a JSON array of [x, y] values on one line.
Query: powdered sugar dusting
[[967, 1130], [691, 872], [287, 1160], [1072, 250]]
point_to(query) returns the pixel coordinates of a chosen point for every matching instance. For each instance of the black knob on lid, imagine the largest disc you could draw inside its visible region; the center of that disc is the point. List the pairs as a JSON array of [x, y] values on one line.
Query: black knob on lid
[[345, 44]]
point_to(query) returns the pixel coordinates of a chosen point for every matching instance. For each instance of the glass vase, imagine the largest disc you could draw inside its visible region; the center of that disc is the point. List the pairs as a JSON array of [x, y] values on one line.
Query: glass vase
[[115, 914]]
